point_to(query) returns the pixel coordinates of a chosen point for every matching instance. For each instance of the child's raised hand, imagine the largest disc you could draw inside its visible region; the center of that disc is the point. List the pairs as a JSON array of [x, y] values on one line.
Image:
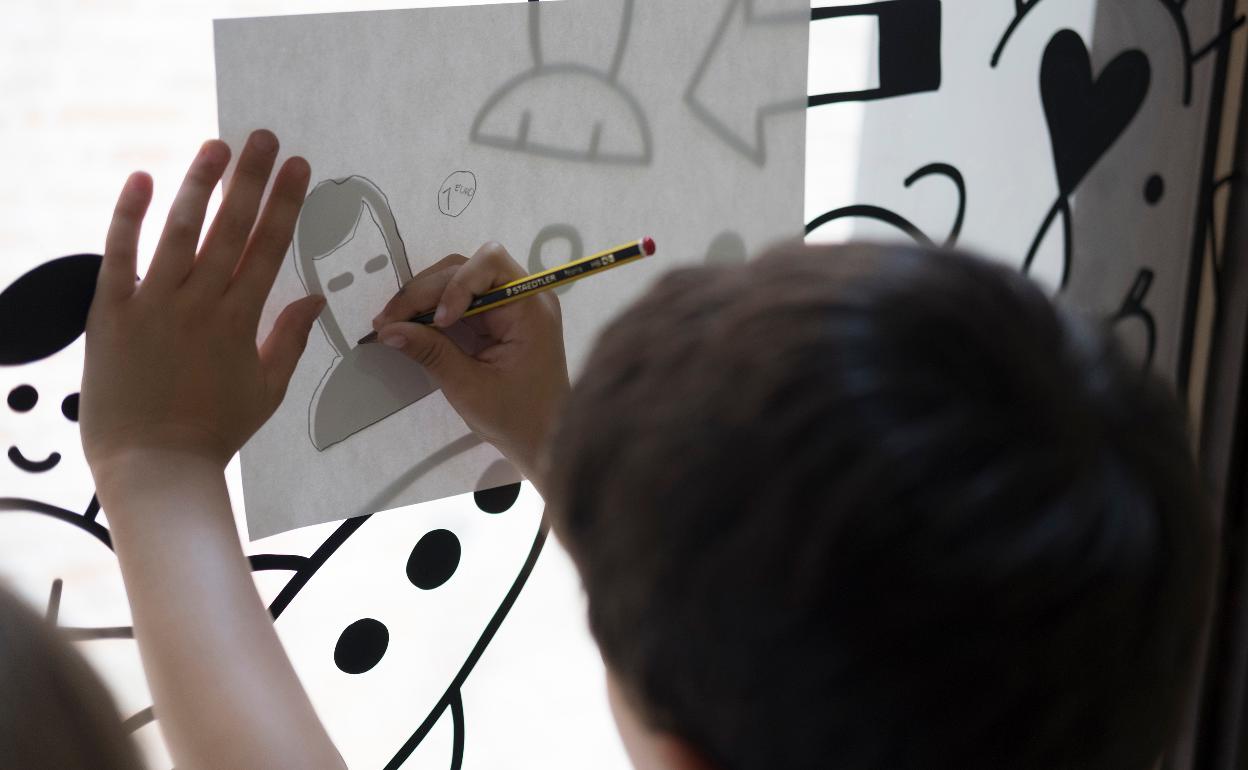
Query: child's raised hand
[[508, 393], [172, 363]]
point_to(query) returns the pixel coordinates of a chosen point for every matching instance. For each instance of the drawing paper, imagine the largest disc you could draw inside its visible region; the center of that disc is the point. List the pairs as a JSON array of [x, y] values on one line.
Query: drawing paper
[[558, 129]]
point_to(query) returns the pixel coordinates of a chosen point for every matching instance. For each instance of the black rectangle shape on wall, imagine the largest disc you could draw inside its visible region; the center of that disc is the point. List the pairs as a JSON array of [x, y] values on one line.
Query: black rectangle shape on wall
[[909, 48]]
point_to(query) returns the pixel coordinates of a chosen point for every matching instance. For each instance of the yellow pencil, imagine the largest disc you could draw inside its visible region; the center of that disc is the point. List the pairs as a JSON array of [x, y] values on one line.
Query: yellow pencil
[[547, 280]]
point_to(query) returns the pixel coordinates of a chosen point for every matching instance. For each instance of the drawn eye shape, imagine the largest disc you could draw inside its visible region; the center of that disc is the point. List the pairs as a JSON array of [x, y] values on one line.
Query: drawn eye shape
[[378, 262], [361, 646], [434, 559], [69, 407], [340, 282], [23, 398]]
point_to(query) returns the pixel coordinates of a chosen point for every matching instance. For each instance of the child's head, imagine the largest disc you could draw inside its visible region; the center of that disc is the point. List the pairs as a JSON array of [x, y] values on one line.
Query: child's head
[[883, 507], [54, 711]]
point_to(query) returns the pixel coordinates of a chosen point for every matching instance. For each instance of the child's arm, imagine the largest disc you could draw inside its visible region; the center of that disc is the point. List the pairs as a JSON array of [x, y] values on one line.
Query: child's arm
[[511, 392], [173, 386]]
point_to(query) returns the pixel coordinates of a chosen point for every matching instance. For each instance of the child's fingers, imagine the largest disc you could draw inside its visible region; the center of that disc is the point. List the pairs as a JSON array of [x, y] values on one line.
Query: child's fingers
[[121, 246], [490, 267], [419, 295], [451, 368], [263, 257], [450, 260], [223, 246], [175, 254], [285, 344]]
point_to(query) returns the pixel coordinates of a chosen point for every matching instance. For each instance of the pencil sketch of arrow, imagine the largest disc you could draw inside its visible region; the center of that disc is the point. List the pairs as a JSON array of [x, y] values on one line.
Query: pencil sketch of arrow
[[733, 90]]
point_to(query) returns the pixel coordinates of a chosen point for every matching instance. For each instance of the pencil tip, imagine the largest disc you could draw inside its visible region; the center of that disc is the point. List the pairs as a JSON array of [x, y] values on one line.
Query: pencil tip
[[367, 339]]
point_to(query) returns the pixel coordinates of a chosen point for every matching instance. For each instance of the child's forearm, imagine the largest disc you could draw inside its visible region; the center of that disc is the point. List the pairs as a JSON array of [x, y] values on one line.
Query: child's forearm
[[224, 690]]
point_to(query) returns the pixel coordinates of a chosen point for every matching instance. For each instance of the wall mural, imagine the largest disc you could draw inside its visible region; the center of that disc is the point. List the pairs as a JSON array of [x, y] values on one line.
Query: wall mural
[[1078, 145], [1094, 111]]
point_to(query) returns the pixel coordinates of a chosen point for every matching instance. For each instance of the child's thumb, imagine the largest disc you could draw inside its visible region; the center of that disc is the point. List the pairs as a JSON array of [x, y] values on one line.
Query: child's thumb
[[430, 348]]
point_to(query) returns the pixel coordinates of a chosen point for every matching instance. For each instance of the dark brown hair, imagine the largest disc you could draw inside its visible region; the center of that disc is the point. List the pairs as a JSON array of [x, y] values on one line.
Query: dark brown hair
[[54, 711], [883, 507]]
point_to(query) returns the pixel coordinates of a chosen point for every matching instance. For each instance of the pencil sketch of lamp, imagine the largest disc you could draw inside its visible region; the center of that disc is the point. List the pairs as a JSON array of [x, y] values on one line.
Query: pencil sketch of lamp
[[347, 247], [571, 110]]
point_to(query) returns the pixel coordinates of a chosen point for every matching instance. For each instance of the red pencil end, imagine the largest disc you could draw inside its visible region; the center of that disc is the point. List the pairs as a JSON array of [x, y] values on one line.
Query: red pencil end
[[647, 246]]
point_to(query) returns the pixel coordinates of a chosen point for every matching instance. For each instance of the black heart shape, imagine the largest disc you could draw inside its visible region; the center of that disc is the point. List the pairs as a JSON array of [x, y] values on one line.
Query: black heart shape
[[1086, 115]]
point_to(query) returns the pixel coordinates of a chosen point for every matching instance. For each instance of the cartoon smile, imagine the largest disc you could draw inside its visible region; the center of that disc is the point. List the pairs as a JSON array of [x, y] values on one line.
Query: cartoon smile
[[31, 466]]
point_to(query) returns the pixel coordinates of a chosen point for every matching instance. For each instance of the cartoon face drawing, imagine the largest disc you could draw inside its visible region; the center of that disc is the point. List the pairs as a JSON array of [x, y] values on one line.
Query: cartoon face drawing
[[43, 314], [24, 398]]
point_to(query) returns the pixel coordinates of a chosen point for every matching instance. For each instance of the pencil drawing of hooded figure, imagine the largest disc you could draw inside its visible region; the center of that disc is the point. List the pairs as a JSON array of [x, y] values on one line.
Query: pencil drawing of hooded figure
[[347, 247]]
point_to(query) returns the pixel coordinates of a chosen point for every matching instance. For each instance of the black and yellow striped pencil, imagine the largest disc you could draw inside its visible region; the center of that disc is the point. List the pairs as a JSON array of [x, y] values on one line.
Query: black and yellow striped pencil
[[546, 280]]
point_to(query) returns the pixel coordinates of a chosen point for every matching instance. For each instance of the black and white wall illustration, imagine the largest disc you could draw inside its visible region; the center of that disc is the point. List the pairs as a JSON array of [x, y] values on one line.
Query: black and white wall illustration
[[1069, 138], [1078, 133], [356, 657]]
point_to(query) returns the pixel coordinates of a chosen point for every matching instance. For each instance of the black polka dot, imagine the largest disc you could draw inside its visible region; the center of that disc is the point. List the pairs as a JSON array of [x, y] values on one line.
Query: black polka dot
[[23, 398], [1154, 189], [434, 559], [498, 499], [361, 646], [69, 407]]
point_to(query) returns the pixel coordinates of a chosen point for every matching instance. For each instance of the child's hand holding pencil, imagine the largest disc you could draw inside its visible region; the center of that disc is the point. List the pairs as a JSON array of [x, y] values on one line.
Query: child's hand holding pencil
[[510, 392]]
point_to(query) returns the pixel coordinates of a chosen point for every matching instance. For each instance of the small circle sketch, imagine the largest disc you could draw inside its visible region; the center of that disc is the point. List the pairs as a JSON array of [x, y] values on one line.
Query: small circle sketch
[[457, 192]]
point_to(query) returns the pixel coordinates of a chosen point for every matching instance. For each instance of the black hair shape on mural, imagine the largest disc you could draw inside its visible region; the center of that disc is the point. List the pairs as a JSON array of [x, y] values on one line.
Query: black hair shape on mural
[[45, 310], [1174, 8], [1086, 115], [892, 218], [908, 34]]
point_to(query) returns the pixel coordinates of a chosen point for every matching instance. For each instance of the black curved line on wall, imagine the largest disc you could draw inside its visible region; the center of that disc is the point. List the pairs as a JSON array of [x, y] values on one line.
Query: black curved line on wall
[[1133, 307], [452, 692], [90, 526], [278, 562], [878, 213], [457, 724], [1060, 207], [1176, 14], [314, 563], [1173, 8], [893, 219]]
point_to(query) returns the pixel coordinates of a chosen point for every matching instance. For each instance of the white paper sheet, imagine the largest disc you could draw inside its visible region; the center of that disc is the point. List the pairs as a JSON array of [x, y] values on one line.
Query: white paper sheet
[[558, 129]]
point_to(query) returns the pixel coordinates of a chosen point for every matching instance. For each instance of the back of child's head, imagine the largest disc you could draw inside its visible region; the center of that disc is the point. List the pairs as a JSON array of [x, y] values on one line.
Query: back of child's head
[[883, 507], [54, 711]]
